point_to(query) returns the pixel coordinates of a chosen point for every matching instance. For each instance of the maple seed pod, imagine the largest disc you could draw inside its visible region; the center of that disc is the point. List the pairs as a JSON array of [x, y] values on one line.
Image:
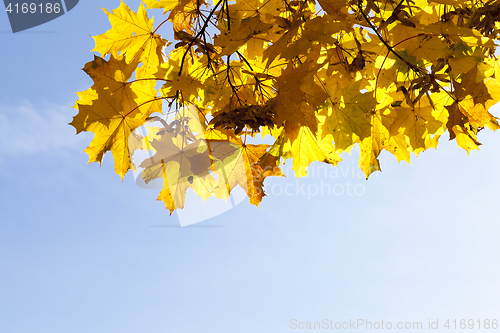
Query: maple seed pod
[[252, 116]]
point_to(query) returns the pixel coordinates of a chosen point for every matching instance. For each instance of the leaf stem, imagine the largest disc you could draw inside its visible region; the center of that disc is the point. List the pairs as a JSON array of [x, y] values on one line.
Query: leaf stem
[[150, 101], [158, 27], [146, 79]]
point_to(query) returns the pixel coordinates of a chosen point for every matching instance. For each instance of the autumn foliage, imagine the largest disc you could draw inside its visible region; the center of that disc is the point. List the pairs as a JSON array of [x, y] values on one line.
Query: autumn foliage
[[319, 77]]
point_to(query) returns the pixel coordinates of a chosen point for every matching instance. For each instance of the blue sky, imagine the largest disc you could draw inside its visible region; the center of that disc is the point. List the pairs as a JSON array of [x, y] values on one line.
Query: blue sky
[[80, 251]]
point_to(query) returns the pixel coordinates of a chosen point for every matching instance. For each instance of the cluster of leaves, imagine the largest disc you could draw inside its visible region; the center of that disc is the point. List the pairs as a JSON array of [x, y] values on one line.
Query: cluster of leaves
[[319, 77]]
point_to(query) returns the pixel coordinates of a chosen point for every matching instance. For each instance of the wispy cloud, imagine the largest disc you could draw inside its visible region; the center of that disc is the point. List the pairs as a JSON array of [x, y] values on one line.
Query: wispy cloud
[[29, 129]]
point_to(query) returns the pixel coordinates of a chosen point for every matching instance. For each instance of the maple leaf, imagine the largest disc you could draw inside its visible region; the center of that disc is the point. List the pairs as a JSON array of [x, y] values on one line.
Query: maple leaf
[[231, 40], [371, 147], [336, 8], [112, 109], [307, 148], [181, 158], [190, 83], [181, 167], [459, 127], [298, 95], [166, 5], [184, 14], [416, 123], [347, 117], [237, 163], [132, 34], [477, 97]]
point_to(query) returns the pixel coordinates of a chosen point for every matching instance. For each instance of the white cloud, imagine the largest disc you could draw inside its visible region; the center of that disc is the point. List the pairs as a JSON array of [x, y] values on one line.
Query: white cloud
[[28, 129]]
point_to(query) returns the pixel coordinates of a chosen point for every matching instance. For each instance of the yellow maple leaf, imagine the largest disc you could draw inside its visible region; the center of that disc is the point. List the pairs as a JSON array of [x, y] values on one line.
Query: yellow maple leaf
[[465, 139], [429, 47], [112, 109], [167, 5], [459, 127], [267, 9], [417, 123], [184, 14], [348, 115], [298, 95], [490, 68], [336, 8], [371, 147], [307, 148], [460, 65], [182, 166], [237, 163], [190, 82], [231, 40], [280, 45], [132, 34], [476, 97]]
